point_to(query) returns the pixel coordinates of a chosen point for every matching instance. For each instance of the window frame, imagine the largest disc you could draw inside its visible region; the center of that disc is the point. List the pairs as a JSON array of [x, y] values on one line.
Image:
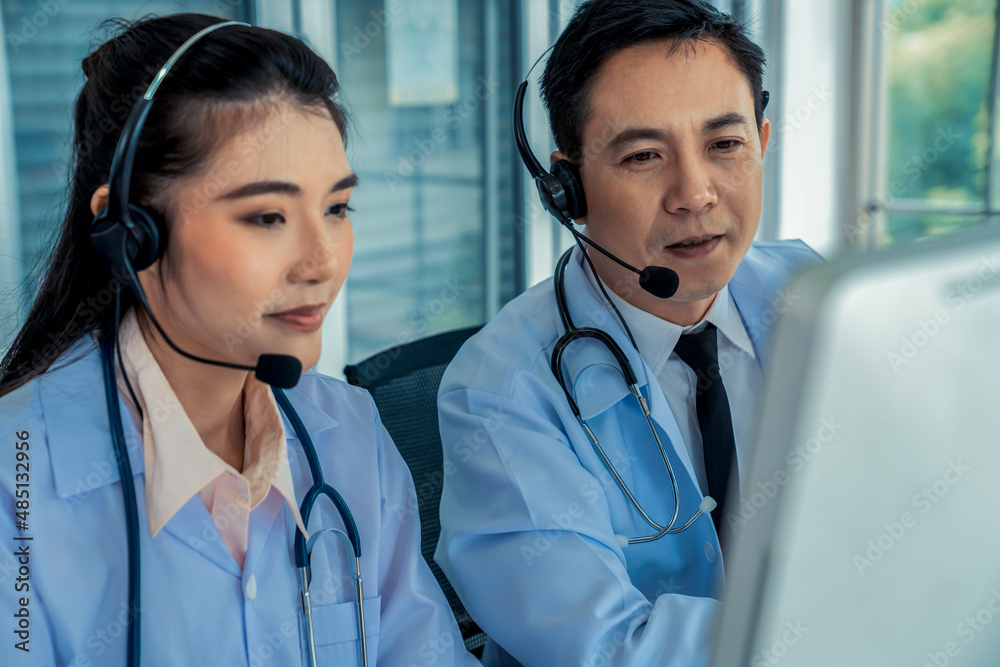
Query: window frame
[[872, 223]]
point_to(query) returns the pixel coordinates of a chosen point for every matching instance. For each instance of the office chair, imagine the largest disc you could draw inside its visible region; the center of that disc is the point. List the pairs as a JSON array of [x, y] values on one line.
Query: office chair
[[404, 383]]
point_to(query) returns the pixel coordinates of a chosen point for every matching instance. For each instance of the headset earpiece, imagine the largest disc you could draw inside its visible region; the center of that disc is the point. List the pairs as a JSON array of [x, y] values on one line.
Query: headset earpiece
[[148, 231], [136, 241], [560, 189], [567, 173]]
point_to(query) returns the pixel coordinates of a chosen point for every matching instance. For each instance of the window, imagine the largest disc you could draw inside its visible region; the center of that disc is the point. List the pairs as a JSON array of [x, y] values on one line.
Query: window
[[428, 87], [45, 43], [939, 172]]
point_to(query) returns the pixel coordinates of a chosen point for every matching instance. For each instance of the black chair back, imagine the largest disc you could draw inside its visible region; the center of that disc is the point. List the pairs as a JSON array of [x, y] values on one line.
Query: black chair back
[[404, 382]]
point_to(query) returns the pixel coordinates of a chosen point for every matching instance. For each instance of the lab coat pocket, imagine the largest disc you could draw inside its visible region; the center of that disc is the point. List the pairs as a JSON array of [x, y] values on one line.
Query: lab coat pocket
[[335, 628]]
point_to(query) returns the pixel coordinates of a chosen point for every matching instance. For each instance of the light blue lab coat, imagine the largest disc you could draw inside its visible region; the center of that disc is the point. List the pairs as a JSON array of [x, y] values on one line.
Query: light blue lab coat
[[529, 512], [198, 608]]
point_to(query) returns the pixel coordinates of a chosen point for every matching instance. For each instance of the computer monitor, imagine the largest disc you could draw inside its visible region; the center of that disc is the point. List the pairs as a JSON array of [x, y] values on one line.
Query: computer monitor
[[869, 530]]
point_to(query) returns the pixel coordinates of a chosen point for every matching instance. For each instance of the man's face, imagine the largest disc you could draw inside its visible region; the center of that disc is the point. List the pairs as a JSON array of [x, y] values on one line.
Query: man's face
[[672, 155]]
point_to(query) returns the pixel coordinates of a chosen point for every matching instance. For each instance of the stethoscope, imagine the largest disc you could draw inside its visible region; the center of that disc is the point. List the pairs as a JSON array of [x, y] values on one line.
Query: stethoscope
[[574, 333], [303, 548]]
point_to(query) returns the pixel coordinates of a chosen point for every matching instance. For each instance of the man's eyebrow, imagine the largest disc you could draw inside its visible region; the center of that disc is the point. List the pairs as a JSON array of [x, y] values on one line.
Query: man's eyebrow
[[733, 118], [634, 134], [281, 187]]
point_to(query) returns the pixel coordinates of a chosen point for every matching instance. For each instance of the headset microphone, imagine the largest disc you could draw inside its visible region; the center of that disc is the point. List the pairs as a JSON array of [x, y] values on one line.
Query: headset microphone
[[657, 280], [561, 192], [130, 237], [278, 370]]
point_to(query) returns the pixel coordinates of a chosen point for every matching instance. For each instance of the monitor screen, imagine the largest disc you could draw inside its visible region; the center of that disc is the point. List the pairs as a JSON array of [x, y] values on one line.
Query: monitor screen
[[869, 530]]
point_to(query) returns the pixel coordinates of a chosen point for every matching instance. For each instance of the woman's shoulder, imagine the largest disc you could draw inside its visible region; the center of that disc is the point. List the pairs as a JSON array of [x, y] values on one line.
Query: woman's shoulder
[[74, 376]]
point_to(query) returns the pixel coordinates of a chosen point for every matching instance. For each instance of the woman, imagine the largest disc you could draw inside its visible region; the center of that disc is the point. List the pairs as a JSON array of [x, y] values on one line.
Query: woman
[[240, 168]]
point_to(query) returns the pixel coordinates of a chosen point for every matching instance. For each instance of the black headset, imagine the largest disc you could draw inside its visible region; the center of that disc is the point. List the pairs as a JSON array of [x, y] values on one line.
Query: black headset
[[129, 236], [560, 188]]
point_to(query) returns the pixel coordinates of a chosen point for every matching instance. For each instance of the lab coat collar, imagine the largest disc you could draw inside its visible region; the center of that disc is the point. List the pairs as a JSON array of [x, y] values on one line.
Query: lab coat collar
[[759, 294], [71, 393], [597, 383], [313, 418], [588, 367], [73, 403]]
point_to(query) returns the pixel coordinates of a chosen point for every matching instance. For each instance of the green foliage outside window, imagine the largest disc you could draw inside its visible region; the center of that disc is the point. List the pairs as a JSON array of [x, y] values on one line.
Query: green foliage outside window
[[940, 55]]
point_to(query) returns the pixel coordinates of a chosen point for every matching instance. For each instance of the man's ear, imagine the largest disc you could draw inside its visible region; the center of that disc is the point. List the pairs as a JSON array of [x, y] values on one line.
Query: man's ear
[[99, 199], [765, 136]]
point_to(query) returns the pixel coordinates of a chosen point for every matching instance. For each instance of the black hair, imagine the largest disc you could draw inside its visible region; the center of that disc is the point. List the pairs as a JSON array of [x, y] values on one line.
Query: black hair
[[601, 27], [231, 78]]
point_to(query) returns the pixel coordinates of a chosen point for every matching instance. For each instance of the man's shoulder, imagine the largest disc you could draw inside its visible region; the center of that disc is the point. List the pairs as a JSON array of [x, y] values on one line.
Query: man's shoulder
[[768, 265], [512, 342], [779, 256]]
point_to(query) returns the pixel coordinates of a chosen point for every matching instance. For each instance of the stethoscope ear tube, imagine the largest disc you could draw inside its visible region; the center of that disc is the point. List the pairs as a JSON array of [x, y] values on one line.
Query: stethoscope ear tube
[[351, 537], [303, 548], [134, 649], [319, 487]]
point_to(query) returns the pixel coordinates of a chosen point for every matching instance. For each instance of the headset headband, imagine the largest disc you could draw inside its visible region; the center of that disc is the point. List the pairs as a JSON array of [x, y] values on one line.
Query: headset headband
[[121, 166]]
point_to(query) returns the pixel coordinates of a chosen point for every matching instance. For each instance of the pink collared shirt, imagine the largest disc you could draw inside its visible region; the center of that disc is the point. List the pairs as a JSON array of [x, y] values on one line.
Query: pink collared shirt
[[178, 464]]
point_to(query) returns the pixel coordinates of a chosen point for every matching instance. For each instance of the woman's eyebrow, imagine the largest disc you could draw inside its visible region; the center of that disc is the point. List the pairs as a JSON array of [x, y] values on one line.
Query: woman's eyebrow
[[281, 187], [262, 188]]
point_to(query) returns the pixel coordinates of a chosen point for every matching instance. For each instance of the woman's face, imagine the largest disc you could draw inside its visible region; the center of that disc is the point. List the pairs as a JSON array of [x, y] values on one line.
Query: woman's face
[[259, 242]]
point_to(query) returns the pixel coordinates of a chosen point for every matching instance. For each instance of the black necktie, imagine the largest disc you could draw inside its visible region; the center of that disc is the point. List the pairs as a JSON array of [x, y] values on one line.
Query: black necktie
[[700, 351]]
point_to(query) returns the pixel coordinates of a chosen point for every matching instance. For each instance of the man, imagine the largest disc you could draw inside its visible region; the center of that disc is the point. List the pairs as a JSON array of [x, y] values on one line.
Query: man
[[659, 105]]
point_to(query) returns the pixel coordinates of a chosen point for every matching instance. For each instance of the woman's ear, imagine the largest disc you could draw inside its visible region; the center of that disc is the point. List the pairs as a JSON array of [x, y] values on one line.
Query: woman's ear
[[99, 199]]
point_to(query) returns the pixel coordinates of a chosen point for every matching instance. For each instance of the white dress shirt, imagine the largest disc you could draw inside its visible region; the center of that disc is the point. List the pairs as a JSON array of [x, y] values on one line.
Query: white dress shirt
[[741, 371]]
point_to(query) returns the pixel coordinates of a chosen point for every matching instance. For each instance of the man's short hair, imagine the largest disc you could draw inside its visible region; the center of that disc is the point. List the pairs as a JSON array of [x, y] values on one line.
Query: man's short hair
[[601, 27]]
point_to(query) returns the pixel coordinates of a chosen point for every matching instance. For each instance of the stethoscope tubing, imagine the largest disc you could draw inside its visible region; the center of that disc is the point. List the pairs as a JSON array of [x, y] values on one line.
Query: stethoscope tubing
[[302, 549], [573, 333]]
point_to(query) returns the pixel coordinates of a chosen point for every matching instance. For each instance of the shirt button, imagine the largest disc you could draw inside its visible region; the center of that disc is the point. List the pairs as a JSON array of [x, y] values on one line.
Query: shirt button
[[251, 588], [709, 552]]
